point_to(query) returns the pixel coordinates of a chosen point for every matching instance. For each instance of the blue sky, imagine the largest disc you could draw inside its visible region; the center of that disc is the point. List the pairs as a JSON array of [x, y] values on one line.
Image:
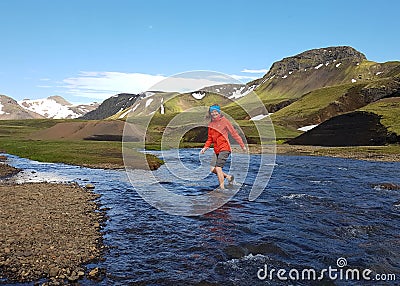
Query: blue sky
[[88, 50]]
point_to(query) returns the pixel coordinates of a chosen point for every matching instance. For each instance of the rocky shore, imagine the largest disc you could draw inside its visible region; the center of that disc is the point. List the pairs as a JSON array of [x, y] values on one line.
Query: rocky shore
[[48, 232]]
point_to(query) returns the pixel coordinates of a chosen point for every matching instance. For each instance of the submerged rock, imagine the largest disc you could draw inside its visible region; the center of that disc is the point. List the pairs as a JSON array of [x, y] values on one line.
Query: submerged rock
[[386, 186]]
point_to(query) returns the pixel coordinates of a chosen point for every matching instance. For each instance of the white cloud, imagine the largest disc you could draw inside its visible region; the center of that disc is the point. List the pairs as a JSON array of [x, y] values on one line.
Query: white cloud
[[102, 85], [255, 71], [244, 78]]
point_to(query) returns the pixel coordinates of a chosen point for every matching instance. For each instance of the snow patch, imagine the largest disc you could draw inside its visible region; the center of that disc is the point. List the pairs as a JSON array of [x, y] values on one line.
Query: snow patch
[[1, 109], [123, 115], [162, 109], [149, 101], [285, 76], [318, 66], [307, 128], [337, 65], [239, 93], [260, 116], [353, 80], [378, 73], [198, 95]]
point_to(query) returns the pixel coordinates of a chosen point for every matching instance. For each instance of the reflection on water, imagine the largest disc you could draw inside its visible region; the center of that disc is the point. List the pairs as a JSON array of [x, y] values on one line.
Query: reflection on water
[[313, 211]]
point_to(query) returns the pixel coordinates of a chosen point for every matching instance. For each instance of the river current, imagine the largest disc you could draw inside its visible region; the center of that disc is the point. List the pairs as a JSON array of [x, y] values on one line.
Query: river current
[[315, 213]]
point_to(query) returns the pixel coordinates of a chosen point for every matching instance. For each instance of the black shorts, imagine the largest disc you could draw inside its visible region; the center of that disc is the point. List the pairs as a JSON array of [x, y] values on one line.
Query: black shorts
[[219, 160]]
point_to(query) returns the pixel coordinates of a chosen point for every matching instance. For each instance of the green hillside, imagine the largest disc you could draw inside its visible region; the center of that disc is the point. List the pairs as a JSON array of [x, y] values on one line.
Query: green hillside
[[313, 107], [389, 110]]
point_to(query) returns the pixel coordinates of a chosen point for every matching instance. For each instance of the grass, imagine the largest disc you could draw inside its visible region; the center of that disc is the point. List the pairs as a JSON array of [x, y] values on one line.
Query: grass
[[389, 109], [14, 139], [71, 152], [312, 103], [380, 153]]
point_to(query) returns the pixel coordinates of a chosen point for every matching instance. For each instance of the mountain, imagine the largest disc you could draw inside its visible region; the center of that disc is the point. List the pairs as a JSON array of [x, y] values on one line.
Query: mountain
[[10, 109], [304, 94], [56, 107], [303, 91], [112, 106]]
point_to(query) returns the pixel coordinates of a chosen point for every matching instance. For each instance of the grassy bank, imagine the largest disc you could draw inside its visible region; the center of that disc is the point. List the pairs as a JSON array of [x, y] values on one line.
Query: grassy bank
[[14, 139], [389, 153]]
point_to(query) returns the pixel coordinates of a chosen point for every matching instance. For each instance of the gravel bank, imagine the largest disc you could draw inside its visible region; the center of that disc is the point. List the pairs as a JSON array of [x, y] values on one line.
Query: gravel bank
[[48, 231]]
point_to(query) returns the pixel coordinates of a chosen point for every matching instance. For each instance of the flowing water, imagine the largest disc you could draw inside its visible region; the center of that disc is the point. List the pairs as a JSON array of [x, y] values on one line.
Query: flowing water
[[315, 212]]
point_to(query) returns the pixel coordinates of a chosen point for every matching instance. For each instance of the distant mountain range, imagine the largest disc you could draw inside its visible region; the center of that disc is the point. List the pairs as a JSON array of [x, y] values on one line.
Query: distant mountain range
[[54, 107], [300, 92]]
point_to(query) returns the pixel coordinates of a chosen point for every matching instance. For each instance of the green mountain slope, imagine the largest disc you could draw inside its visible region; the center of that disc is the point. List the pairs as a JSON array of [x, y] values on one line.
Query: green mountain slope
[[389, 110]]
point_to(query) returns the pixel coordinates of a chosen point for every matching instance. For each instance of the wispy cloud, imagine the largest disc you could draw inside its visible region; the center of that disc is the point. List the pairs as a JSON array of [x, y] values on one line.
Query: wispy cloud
[[244, 78], [255, 71], [102, 85]]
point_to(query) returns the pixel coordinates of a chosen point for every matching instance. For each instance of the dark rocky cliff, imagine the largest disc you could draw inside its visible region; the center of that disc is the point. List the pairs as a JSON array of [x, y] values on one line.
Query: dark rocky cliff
[[111, 106], [312, 58], [351, 129]]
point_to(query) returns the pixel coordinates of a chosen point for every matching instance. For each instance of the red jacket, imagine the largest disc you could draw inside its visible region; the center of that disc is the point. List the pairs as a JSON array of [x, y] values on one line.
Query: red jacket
[[218, 134]]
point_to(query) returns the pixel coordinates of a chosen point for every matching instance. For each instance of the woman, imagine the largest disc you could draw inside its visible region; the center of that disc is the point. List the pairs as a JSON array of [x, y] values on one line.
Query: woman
[[218, 130]]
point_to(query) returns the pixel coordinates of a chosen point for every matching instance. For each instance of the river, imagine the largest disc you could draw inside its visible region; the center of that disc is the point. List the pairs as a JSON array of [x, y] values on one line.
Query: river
[[315, 213]]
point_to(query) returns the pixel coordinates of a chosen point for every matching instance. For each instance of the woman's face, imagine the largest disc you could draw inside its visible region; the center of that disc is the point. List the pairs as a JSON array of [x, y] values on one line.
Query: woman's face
[[214, 114]]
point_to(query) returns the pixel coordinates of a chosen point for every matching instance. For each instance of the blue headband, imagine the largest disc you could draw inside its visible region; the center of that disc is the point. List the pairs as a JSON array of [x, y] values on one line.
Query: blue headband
[[215, 107]]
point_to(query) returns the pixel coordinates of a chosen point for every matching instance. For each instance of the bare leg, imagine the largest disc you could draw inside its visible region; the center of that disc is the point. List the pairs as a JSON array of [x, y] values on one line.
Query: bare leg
[[225, 174], [221, 176]]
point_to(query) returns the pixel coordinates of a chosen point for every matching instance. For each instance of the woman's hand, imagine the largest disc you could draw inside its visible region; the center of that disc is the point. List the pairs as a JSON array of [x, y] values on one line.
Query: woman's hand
[[203, 150]]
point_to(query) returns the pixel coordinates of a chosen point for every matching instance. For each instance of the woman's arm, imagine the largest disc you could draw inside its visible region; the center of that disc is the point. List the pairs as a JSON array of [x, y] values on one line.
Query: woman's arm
[[234, 134], [208, 142]]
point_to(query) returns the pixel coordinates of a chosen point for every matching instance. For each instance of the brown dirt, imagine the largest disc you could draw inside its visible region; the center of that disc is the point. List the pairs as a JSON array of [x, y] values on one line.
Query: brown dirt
[[7, 170], [47, 231], [84, 130]]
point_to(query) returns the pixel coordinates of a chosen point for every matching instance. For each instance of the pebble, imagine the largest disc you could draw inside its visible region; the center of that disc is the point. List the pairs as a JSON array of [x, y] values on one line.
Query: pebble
[[94, 273], [64, 240], [89, 186]]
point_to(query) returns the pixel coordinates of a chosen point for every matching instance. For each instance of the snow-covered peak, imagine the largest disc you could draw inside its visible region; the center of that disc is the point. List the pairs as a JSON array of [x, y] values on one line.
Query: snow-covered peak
[[55, 107]]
